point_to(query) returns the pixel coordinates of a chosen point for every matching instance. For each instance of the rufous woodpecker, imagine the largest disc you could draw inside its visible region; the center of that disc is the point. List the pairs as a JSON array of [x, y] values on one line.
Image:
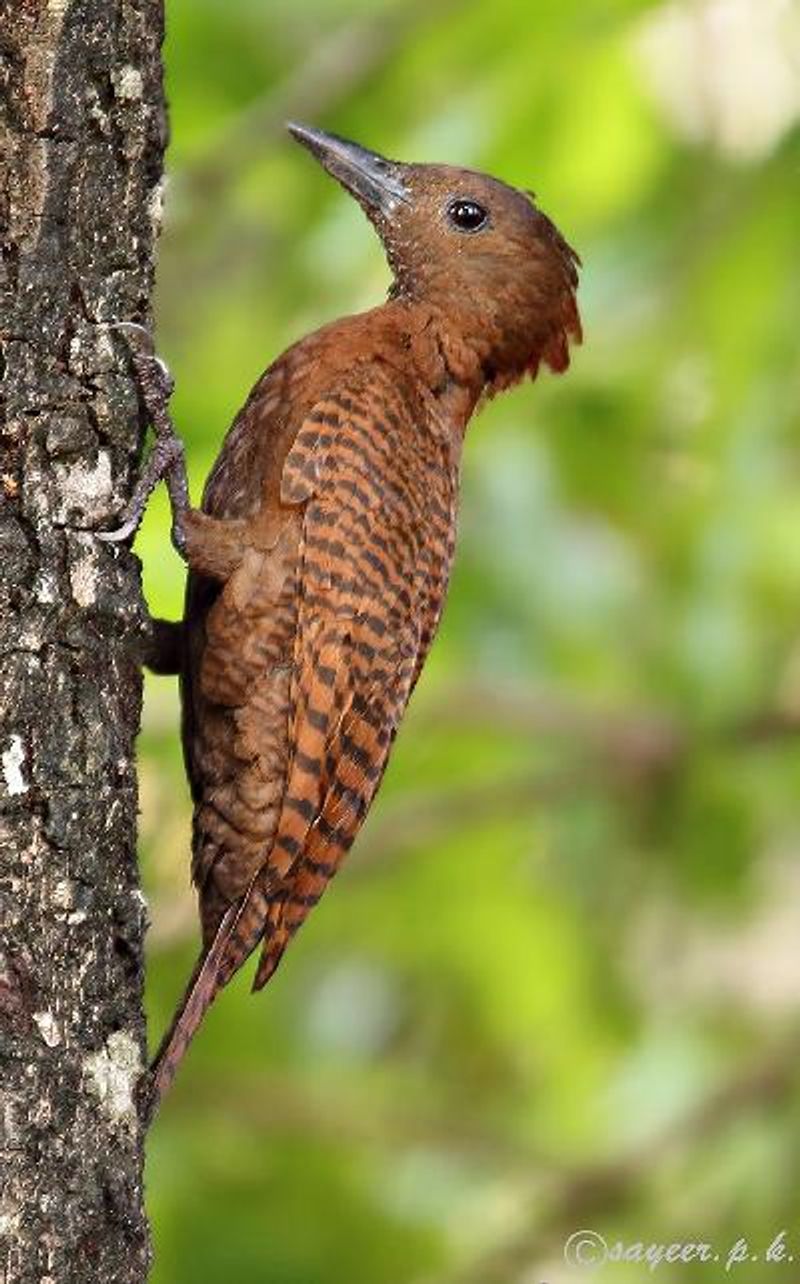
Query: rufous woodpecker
[[319, 561]]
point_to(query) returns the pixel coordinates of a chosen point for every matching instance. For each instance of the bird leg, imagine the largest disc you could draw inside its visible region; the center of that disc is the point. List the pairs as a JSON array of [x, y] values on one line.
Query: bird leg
[[211, 546], [163, 646], [166, 459]]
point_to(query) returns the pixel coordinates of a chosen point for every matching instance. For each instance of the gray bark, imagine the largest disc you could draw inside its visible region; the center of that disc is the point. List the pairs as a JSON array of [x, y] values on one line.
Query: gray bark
[[82, 123]]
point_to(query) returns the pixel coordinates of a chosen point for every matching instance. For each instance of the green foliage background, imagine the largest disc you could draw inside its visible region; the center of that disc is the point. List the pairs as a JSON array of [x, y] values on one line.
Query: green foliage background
[[558, 983]]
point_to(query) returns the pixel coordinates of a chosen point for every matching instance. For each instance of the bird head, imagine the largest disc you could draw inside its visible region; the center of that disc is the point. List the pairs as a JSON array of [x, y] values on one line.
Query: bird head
[[480, 252]]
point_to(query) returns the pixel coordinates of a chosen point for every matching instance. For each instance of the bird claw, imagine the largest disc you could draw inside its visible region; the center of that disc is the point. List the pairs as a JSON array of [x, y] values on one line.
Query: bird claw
[[131, 325], [148, 353], [120, 533], [166, 460]]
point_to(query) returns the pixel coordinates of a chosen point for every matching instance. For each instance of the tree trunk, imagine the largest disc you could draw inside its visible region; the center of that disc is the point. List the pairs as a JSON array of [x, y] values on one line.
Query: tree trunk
[[82, 140]]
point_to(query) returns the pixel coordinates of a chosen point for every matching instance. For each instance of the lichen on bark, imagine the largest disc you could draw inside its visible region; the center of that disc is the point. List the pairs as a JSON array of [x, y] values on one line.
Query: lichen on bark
[[82, 124]]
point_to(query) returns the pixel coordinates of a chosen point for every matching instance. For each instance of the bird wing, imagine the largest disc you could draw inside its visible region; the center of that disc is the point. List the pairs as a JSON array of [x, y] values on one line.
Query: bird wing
[[374, 485], [235, 486], [377, 496]]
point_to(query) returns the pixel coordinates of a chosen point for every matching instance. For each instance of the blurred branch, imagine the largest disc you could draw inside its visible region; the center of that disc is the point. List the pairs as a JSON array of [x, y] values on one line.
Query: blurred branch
[[418, 819], [648, 737], [641, 739], [767, 726], [333, 68]]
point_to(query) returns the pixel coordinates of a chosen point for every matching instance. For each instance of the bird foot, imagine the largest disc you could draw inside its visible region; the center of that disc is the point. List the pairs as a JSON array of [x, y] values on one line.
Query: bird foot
[[166, 459]]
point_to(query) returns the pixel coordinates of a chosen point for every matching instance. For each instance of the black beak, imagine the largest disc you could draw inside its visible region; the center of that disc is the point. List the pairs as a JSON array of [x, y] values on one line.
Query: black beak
[[375, 182]]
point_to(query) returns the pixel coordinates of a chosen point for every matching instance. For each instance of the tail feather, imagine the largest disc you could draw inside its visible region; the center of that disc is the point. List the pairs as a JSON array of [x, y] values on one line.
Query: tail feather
[[228, 951]]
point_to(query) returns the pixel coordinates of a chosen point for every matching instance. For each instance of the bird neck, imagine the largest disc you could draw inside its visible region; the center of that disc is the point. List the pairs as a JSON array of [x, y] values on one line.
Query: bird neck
[[465, 355], [484, 340], [497, 349], [450, 368]]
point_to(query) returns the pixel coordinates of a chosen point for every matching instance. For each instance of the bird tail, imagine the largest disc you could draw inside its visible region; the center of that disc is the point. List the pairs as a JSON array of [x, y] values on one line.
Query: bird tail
[[237, 936]]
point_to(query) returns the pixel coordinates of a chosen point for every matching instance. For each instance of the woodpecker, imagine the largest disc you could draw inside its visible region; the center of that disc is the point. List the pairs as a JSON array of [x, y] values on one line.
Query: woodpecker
[[319, 559]]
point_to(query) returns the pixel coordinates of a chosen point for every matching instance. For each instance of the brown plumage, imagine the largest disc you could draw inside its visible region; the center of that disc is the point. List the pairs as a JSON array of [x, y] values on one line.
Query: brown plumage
[[320, 560]]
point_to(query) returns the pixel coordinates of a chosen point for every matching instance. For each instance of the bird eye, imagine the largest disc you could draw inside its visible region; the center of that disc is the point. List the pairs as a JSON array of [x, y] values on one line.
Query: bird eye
[[467, 216]]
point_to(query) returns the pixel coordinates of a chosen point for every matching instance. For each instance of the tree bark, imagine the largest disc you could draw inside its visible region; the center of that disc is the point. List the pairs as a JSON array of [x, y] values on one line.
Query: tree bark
[[83, 135]]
